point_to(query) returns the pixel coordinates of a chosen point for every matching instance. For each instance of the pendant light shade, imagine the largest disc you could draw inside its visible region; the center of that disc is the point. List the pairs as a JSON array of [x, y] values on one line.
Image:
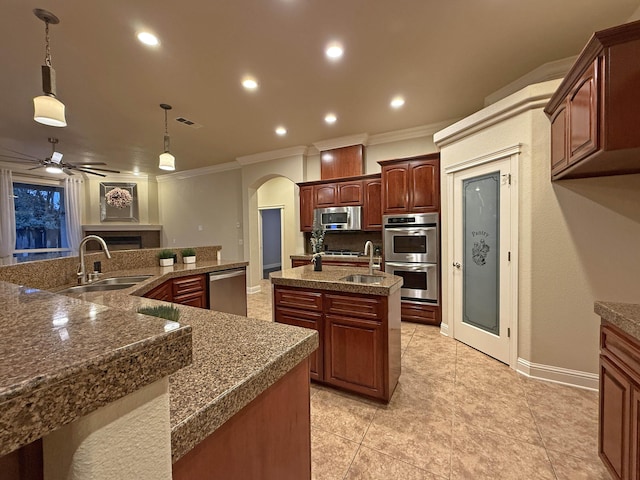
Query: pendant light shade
[[48, 110], [167, 161]]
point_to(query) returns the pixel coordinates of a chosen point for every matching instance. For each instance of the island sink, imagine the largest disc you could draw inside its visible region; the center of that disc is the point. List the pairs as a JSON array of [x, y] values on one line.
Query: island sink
[[96, 287], [120, 280], [362, 278]]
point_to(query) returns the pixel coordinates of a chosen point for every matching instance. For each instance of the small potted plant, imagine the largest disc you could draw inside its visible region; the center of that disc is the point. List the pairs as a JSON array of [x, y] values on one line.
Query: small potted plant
[[166, 258], [188, 255]]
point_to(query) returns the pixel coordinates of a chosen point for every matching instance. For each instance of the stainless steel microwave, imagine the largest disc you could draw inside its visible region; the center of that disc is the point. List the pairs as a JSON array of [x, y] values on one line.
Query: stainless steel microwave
[[339, 219]]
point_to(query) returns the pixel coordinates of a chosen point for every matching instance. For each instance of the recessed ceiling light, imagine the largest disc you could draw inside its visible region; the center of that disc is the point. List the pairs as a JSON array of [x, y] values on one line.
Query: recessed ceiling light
[[281, 131], [334, 51], [148, 39], [250, 83], [397, 102], [330, 118]]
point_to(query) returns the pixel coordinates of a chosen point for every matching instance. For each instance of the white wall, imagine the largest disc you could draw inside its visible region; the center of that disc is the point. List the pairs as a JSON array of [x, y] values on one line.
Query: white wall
[[212, 202], [578, 239]]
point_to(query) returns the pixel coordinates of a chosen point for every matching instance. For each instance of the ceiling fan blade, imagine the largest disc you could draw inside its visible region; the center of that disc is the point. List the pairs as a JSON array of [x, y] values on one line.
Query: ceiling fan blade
[[20, 153], [34, 168], [91, 163], [89, 171], [18, 158], [102, 169], [67, 171]]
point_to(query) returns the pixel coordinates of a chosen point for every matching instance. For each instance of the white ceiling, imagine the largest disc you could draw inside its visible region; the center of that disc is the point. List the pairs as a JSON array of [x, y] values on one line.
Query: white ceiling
[[444, 57]]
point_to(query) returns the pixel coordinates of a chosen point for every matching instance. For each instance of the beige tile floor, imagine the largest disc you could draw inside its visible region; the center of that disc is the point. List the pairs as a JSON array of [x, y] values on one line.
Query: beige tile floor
[[456, 414]]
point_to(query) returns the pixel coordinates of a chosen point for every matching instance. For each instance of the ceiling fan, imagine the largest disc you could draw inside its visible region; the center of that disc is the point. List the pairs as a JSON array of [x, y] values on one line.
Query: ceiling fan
[[54, 163]]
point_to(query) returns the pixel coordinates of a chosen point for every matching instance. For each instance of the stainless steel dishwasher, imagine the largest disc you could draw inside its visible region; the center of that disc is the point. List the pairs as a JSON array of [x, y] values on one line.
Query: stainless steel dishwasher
[[228, 291]]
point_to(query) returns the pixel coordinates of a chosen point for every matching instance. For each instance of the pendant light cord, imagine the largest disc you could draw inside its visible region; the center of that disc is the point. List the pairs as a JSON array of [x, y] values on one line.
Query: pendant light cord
[[47, 54]]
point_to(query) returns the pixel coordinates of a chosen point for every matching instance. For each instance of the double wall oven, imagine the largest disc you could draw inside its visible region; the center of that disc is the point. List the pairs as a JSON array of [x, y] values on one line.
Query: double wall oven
[[412, 251]]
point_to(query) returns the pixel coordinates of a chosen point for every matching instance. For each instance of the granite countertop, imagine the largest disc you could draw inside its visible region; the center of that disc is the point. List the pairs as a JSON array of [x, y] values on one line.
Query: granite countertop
[[331, 278], [94, 349], [234, 360], [625, 316], [63, 358]]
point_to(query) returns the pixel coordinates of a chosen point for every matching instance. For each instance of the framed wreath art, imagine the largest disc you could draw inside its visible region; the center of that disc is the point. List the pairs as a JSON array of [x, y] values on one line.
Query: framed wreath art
[[118, 202]]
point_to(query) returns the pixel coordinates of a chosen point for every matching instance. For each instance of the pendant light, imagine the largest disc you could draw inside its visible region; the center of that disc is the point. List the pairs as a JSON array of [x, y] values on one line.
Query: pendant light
[[167, 161], [48, 110]]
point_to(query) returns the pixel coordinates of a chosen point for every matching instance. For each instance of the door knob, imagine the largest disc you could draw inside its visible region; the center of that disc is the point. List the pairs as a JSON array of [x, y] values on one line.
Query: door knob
[[456, 264]]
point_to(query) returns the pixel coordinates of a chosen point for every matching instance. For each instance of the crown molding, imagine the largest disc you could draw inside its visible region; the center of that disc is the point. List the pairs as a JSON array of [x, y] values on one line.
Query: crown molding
[[548, 71], [272, 155], [529, 98], [196, 172], [123, 177], [409, 133], [357, 139]]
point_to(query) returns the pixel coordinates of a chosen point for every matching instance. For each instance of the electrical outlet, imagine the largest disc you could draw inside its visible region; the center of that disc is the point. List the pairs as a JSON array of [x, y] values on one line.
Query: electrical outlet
[[200, 228]]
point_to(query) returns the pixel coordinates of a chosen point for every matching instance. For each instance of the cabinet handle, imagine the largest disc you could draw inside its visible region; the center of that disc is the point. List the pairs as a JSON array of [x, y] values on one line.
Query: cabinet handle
[[457, 265]]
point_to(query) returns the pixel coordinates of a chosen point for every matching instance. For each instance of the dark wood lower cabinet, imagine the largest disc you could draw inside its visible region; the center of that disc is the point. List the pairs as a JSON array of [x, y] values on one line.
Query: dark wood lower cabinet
[[418, 312], [190, 290], [619, 431], [26, 463], [269, 439], [359, 346]]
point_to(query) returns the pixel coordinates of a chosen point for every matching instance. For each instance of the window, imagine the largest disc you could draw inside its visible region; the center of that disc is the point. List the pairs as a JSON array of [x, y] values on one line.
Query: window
[[40, 221]]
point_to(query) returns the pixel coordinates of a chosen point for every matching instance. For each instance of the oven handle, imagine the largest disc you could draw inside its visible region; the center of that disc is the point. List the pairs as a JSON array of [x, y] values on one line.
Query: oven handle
[[412, 231], [405, 266]]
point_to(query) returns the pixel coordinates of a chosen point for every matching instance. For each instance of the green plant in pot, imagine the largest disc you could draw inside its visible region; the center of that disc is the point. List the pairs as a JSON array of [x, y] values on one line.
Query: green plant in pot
[[188, 255], [166, 258], [168, 312]]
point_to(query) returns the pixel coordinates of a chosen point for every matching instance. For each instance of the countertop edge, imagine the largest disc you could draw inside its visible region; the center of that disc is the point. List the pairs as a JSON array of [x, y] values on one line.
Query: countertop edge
[[625, 316]]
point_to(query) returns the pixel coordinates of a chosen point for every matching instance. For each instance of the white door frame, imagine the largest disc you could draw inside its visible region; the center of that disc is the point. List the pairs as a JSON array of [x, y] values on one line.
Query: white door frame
[[512, 153], [271, 207]]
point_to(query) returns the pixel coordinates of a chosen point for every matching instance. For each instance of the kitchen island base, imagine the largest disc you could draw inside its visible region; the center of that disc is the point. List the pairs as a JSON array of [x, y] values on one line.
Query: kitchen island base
[[269, 439], [358, 326]]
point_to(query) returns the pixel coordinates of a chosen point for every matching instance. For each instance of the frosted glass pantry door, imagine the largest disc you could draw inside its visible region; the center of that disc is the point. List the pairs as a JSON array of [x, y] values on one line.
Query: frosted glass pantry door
[[481, 258]]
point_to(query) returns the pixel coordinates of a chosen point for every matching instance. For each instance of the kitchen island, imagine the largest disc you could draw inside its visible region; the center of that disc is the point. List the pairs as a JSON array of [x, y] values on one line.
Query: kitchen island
[[357, 317], [240, 370]]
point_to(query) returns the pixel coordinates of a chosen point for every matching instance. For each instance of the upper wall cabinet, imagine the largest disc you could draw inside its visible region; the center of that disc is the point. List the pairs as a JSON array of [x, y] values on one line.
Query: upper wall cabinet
[[357, 191], [411, 185], [342, 162], [595, 113]]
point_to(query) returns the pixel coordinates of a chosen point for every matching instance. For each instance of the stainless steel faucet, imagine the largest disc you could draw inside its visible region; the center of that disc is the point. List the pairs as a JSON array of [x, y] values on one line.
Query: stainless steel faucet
[[83, 278], [369, 247]]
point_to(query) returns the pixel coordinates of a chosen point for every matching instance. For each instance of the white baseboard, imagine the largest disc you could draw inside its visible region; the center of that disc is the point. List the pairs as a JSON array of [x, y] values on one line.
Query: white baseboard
[[271, 265], [564, 376], [251, 290], [444, 329]]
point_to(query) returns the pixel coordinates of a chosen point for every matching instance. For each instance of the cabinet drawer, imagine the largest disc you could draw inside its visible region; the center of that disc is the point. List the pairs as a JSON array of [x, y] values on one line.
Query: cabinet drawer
[[285, 297], [161, 292], [420, 313], [363, 307], [616, 346], [197, 299], [185, 285]]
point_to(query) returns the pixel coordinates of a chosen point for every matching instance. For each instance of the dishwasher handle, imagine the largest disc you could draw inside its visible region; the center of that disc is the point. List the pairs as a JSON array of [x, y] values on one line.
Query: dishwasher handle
[[214, 276]]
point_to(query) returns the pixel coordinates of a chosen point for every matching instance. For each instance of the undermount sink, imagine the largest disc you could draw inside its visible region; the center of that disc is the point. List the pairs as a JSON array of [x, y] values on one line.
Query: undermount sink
[[97, 287], [361, 278], [120, 280]]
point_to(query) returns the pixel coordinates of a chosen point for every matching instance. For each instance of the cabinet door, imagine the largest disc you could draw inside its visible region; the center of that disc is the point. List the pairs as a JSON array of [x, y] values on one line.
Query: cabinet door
[[615, 406], [325, 195], [372, 208], [306, 208], [635, 434], [354, 354], [306, 319], [163, 292], [424, 186], [582, 106], [197, 299], [349, 193], [299, 263], [193, 284], [395, 184], [559, 159]]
